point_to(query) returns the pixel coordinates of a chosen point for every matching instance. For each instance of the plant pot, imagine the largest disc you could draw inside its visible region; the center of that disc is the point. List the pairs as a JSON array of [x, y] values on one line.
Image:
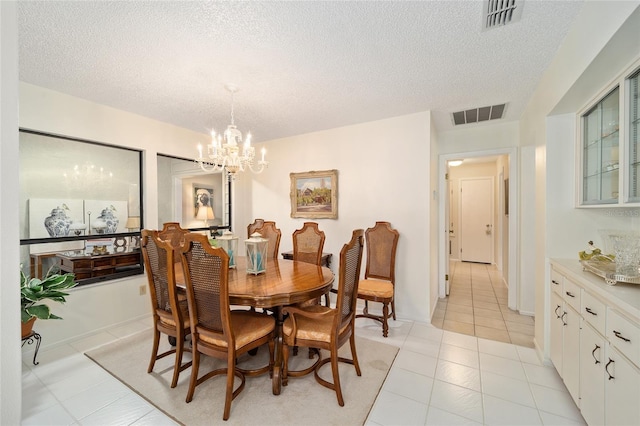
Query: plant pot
[[27, 327]]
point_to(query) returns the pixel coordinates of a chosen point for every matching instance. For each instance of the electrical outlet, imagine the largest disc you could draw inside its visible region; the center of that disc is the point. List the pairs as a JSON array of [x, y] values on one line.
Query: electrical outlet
[[143, 290]]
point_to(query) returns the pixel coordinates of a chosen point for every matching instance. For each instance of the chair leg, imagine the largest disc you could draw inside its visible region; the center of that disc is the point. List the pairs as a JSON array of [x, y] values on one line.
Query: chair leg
[[178, 362], [393, 308], [194, 374], [336, 375], [354, 355], [285, 366], [231, 375], [385, 319], [327, 300], [154, 350]]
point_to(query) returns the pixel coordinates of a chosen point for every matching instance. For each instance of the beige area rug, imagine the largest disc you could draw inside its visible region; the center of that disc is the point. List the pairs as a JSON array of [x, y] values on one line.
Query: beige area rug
[[303, 401]]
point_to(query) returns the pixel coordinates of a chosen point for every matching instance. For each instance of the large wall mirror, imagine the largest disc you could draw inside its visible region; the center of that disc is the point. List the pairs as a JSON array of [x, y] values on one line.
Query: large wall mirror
[[80, 208], [196, 199]]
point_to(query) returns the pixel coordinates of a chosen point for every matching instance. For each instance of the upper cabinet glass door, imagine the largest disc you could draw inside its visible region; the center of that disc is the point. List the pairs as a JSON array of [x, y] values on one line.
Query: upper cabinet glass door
[[634, 138], [600, 156]]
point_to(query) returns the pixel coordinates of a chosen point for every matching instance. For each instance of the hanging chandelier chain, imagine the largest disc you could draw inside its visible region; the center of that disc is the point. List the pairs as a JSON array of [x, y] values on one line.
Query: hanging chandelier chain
[[233, 97]]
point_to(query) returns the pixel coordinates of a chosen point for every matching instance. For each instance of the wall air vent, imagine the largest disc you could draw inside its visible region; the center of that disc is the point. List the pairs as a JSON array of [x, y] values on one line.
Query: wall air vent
[[477, 115], [501, 12]]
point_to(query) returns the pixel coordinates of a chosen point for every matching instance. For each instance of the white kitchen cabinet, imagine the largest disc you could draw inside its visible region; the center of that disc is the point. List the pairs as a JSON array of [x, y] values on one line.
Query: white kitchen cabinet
[[608, 145], [571, 353], [556, 327], [597, 328], [592, 376], [622, 390]]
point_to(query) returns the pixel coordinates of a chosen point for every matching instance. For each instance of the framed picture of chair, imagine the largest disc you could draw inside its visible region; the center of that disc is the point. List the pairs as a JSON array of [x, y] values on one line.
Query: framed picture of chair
[[314, 195]]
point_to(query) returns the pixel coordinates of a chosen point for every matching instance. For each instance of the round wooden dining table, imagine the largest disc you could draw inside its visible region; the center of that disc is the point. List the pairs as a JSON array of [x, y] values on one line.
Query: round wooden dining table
[[285, 282]]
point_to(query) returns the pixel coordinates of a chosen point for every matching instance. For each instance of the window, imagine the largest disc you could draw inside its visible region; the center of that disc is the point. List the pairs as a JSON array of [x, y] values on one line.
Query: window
[[186, 193], [80, 208]]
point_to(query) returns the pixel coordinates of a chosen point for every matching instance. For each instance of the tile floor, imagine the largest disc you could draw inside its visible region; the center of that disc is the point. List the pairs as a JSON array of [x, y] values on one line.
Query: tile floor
[[439, 377], [477, 306]]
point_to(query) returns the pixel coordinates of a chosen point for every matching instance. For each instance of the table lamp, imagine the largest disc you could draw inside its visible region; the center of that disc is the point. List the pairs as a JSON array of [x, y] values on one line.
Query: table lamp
[[205, 214], [133, 223]]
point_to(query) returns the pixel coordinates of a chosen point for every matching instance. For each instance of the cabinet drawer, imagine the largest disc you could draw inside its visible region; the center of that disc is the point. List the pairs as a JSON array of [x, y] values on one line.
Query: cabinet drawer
[[624, 335], [593, 311], [556, 282], [571, 294]]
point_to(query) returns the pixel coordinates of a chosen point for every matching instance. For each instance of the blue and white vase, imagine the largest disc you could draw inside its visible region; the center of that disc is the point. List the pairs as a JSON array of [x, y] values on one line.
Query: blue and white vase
[[57, 224], [110, 219]]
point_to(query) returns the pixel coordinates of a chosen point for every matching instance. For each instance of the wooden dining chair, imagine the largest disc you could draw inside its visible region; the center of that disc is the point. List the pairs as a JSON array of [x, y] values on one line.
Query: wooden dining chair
[[173, 234], [216, 330], [380, 273], [251, 228], [170, 315], [328, 328], [308, 243], [269, 231]]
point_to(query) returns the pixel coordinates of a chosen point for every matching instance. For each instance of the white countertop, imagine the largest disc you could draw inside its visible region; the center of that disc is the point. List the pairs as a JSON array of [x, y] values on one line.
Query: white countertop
[[623, 297]]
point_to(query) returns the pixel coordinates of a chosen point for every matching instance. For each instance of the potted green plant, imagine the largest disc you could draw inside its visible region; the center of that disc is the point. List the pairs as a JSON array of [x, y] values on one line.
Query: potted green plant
[[35, 290]]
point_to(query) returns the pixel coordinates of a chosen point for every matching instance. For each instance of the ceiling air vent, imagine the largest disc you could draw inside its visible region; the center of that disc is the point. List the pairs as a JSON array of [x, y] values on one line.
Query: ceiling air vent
[[501, 12], [478, 115]]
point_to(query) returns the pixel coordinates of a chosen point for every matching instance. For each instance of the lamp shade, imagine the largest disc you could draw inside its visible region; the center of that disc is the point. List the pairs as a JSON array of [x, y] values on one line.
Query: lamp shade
[[132, 222], [205, 213]]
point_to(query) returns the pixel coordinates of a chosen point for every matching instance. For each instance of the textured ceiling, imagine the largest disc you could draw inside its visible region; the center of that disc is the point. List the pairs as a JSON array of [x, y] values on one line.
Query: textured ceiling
[[300, 66]]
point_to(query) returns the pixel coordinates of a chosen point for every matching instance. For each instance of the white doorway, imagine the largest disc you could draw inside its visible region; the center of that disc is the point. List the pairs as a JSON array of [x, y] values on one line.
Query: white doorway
[[504, 223], [476, 220]]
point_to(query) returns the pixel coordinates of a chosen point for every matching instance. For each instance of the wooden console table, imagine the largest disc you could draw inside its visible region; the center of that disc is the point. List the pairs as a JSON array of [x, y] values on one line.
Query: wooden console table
[[88, 265], [326, 257], [37, 261]]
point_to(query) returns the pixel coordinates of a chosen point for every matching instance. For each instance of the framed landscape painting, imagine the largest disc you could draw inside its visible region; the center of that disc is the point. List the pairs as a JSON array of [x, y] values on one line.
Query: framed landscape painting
[[314, 195]]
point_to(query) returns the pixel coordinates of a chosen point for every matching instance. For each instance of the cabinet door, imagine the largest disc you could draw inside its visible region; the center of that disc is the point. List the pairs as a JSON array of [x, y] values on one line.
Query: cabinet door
[[600, 154], [622, 390], [592, 377], [571, 353], [634, 138], [556, 324]]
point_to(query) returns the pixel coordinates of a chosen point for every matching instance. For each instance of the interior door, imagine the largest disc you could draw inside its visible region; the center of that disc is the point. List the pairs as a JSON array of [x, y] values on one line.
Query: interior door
[[476, 220]]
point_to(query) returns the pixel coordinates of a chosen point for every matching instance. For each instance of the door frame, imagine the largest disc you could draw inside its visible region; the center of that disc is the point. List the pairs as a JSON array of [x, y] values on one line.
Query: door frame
[[443, 238]]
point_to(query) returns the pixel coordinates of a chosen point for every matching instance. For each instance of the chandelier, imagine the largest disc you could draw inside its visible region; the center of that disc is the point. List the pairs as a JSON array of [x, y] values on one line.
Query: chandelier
[[227, 150]]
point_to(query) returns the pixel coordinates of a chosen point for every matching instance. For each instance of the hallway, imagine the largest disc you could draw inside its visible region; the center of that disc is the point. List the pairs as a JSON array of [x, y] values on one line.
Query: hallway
[[477, 306]]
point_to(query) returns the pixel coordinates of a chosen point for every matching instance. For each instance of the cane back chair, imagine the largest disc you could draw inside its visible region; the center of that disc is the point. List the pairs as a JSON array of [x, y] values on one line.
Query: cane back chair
[[269, 231], [380, 274], [251, 228], [170, 315], [216, 330], [326, 328]]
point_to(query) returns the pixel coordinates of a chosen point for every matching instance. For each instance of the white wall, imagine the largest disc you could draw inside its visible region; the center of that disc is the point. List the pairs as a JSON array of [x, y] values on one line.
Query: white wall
[[10, 355], [383, 175], [93, 307], [593, 29]]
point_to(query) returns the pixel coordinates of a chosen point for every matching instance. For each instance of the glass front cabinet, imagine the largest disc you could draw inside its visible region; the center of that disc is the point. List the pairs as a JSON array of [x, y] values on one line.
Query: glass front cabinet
[[609, 158]]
